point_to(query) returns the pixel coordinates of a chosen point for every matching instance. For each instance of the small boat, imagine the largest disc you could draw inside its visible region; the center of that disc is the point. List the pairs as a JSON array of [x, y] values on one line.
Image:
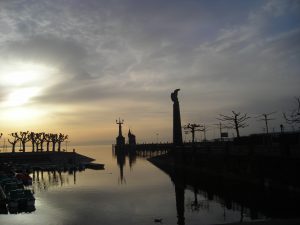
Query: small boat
[[29, 198], [20, 198], [25, 178], [15, 198]]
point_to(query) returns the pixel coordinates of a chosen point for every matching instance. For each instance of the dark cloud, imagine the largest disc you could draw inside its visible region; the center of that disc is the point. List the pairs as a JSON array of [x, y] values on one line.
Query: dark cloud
[[220, 54]]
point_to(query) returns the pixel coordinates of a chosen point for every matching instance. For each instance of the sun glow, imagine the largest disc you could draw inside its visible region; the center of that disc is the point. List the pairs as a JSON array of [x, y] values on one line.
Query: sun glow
[[22, 82], [22, 115], [20, 96], [20, 74]]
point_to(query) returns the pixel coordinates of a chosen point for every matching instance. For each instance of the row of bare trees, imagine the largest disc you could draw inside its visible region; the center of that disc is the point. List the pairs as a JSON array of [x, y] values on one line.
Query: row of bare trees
[[38, 140], [238, 120]]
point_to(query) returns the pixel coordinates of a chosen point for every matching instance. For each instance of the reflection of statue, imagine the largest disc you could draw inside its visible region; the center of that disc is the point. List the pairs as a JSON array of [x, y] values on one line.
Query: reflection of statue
[[177, 133], [174, 95], [121, 160]]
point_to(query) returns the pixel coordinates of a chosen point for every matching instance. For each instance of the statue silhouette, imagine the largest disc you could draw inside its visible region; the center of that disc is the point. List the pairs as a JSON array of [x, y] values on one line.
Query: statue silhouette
[[177, 133], [174, 95]]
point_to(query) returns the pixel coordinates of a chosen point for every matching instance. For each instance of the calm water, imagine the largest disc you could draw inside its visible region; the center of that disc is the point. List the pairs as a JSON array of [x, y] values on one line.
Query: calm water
[[136, 194]]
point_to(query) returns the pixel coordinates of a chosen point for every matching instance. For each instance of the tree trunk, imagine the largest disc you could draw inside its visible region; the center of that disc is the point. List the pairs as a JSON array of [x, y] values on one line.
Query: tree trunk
[[236, 128], [13, 147], [53, 146], [23, 145], [42, 146], [33, 146]]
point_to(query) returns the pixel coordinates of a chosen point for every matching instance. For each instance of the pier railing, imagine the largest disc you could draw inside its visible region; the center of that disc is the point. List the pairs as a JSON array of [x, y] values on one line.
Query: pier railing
[[217, 148]]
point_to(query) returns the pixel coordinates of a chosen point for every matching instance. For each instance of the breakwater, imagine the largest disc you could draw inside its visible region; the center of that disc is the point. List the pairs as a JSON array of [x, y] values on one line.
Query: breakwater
[[26, 161]]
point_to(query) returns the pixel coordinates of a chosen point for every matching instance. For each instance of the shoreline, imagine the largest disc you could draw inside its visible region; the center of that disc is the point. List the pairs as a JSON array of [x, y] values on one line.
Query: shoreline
[[45, 159]]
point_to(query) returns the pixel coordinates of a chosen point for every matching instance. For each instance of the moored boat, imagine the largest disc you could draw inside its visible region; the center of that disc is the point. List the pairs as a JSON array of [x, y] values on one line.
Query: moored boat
[[24, 178]]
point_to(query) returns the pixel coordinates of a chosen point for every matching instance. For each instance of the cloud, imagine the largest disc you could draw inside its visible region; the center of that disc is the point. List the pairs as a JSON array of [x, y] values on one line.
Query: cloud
[[119, 53]]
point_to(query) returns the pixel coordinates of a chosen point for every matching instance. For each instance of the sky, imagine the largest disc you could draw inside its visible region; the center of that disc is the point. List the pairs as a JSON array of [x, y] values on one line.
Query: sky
[[76, 66]]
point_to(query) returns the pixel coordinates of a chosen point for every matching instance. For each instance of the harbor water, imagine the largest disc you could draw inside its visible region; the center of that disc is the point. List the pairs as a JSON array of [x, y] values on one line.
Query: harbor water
[[129, 190]]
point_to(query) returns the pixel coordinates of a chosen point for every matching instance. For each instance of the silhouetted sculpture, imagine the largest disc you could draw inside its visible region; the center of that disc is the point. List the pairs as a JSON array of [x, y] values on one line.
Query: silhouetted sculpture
[[177, 133], [131, 138], [120, 139]]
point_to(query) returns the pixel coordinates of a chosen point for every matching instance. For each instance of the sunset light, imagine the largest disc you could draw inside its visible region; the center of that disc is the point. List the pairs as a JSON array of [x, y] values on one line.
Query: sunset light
[[155, 112], [25, 74], [20, 96]]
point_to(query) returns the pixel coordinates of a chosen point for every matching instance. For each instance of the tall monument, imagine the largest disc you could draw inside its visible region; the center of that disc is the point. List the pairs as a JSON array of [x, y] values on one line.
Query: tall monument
[[177, 133], [120, 139]]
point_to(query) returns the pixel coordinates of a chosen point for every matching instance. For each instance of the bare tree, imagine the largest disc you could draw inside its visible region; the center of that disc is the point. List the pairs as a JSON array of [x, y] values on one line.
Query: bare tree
[[294, 116], [14, 141], [23, 138], [61, 138], [265, 117], [192, 128], [37, 138], [48, 140], [54, 140], [40, 140], [236, 121], [31, 137]]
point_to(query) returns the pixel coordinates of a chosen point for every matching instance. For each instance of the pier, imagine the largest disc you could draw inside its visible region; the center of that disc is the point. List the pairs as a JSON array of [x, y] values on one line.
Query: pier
[[275, 145]]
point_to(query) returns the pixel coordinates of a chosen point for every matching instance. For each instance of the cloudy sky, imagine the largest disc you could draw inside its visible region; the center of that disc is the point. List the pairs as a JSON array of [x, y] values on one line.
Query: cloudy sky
[[74, 66]]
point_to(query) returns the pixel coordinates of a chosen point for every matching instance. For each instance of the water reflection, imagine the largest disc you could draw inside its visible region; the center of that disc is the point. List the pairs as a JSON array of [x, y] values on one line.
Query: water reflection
[[150, 194], [43, 180], [121, 155], [252, 202]]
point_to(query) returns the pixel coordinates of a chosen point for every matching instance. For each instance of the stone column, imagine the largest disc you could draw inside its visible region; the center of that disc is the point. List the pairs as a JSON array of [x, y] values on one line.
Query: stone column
[[177, 132]]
